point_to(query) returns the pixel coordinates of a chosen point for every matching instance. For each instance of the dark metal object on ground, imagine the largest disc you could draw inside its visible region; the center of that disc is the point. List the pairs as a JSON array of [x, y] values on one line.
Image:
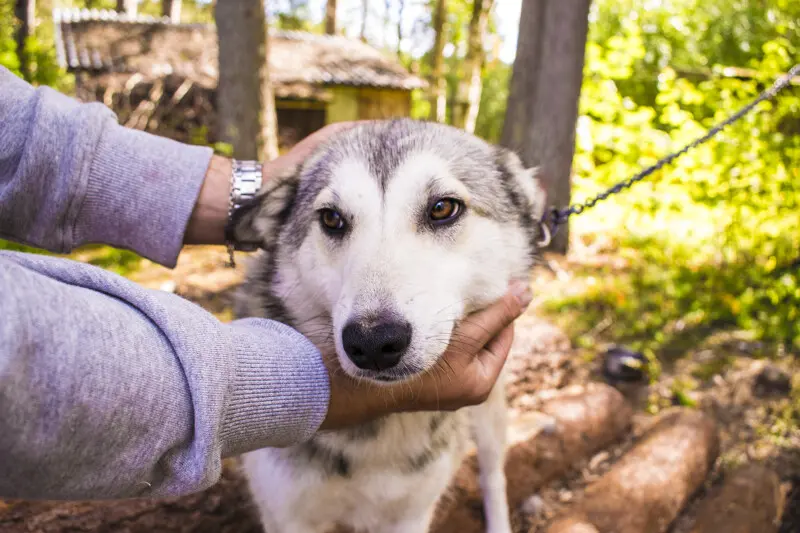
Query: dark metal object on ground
[[623, 365]]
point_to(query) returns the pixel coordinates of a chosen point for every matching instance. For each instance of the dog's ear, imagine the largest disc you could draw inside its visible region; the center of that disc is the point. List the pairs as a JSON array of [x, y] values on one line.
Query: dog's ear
[[527, 180], [260, 219]]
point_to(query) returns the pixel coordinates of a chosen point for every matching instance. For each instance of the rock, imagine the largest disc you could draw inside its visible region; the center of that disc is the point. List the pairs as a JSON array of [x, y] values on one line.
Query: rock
[[748, 501], [598, 460], [533, 507], [573, 526], [168, 286], [565, 496], [647, 488], [772, 381]]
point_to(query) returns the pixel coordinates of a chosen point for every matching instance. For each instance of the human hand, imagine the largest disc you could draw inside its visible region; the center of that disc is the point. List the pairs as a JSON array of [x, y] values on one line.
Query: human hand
[[464, 376], [210, 214]]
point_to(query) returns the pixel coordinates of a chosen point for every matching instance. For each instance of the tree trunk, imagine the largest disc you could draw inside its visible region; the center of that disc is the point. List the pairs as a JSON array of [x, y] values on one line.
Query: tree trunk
[[364, 14], [330, 17], [438, 83], [401, 13], [544, 92], [245, 102], [25, 11], [387, 22], [465, 110], [128, 7], [172, 9]]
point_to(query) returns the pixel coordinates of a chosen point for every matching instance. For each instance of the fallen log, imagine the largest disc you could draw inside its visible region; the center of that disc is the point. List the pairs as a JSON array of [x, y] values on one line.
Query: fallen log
[[224, 508], [585, 422], [647, 488], [572, 525], [749, 501]]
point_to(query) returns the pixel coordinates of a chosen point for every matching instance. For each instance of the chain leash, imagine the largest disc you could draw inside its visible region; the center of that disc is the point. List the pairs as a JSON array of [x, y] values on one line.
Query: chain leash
[[557, 217]]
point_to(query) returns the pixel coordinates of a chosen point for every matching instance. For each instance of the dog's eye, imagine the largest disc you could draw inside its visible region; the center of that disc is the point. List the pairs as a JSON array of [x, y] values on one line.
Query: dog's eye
[[332, 221], [445, 210]]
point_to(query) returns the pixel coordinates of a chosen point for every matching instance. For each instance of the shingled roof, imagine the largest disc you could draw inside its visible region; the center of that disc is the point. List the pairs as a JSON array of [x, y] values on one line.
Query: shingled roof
[[105, 42]]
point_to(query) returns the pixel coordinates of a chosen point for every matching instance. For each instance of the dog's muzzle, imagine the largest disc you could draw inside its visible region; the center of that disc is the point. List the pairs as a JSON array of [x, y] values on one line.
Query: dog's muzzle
[[376, 346]]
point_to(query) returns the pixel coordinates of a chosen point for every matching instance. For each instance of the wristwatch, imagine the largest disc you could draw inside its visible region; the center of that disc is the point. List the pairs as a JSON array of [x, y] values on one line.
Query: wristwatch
[[246, 179]]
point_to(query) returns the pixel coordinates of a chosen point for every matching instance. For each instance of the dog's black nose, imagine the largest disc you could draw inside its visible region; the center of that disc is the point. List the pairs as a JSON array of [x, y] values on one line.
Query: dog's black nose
[[376, 347]]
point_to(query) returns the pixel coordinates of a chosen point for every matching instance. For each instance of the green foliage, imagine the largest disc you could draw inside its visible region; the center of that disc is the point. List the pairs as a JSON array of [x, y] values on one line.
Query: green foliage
[[712, 241], [420, 105], [39, 48], [681, 394], [8, 45], [14, 247], [493, 101], [293, 15], [122, 262]]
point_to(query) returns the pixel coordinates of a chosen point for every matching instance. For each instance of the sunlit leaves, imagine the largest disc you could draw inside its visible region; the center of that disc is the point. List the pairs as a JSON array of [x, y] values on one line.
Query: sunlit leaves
[[713, 237]]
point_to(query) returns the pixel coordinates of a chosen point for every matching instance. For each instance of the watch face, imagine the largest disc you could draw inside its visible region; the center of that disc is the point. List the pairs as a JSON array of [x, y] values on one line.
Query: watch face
[[246, 179], [246, 182]]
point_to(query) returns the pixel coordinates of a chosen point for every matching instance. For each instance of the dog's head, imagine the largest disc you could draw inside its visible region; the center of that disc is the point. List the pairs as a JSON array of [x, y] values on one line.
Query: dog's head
[[390, 234]]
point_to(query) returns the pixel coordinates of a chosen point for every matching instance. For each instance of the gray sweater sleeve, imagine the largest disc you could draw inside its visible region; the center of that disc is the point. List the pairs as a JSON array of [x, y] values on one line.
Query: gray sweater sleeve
[[108, 389], [71, 175]]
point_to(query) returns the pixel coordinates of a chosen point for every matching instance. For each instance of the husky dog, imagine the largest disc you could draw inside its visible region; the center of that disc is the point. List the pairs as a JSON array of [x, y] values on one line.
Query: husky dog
[[375, 248]]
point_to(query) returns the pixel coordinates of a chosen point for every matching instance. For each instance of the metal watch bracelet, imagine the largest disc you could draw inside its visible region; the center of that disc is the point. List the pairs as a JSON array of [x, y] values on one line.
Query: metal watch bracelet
[[246, 179]]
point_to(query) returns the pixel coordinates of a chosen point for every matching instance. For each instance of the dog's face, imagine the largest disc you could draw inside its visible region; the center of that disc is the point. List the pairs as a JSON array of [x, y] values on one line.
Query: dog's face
[[389, 235]]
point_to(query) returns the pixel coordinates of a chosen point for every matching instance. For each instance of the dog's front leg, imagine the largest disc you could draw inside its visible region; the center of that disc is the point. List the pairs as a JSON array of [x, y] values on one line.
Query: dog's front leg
[[489, 423], [285, 521], [287, 527], [415, 524]]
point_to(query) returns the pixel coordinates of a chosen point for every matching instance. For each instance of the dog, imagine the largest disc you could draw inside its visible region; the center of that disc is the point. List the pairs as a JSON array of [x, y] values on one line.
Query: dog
[[375, 248]]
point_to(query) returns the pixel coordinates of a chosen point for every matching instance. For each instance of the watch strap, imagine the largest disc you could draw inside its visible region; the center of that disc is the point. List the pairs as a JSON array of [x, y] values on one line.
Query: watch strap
[[246, 181]]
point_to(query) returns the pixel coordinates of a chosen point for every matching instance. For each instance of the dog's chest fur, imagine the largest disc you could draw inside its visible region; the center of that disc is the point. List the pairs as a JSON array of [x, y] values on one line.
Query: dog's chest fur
[[400, 444], [364, 476]]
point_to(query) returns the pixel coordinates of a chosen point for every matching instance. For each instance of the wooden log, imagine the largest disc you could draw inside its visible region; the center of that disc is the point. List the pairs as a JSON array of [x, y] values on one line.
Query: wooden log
[[224, 508], [647, 488], [585, 422], [572, 525], [749, 501]]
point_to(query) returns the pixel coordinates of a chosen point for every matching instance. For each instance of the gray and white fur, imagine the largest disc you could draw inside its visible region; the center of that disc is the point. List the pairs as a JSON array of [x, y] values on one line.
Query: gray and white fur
[[381, 296]]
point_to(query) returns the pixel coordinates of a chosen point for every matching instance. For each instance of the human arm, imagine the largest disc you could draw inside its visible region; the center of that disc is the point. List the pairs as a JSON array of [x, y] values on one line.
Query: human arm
[[103, 391], [71, 175], [110, 390]]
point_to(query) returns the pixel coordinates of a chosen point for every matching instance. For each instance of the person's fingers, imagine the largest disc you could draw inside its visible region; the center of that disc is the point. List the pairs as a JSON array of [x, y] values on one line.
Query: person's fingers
[[479, 328], [304, 148], [490, 362], [496, 351], [324, 133]]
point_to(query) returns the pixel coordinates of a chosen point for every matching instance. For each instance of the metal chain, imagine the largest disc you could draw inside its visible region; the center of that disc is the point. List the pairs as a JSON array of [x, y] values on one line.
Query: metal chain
[[556, 217]]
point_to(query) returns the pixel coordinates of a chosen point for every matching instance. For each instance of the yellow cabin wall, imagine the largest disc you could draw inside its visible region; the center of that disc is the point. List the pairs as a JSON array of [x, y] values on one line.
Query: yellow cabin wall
[[351, 103], [343, 105], [383, 103]]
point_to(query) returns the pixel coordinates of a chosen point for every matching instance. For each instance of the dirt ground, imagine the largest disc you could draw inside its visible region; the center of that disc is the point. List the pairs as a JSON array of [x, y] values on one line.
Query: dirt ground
[[750, 399]]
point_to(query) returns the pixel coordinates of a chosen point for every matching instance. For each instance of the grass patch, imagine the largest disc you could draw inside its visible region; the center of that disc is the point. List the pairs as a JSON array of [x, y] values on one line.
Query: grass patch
[[665, 301], [706, 370], [122, 262]]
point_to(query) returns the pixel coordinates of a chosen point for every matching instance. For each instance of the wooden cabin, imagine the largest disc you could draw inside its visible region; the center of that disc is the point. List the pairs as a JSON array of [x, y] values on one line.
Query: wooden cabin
[[161, 76]]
